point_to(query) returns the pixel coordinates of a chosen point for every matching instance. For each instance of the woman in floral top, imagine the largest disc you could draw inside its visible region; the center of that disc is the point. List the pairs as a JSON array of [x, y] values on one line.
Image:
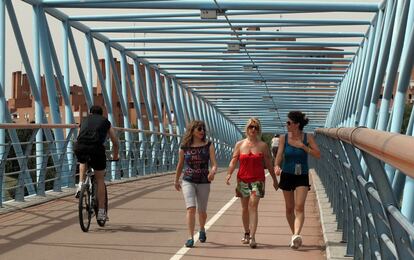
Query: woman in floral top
[[196, 153]]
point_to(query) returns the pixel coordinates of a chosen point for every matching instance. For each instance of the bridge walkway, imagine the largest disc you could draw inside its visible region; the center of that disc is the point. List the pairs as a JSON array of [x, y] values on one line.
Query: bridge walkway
[[147, 221]]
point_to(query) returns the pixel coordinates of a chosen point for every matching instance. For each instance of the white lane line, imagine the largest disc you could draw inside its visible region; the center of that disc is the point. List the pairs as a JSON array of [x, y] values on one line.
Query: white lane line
[[180, 253]]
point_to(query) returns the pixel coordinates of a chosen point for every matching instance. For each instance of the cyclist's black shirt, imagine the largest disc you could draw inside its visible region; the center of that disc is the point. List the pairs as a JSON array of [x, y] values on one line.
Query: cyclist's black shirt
[[93, 130], [89, 147]]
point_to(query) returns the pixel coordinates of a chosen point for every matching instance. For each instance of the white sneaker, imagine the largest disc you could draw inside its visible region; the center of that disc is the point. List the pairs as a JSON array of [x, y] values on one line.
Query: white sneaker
[[296, 242], [101, 215], [78, 190]]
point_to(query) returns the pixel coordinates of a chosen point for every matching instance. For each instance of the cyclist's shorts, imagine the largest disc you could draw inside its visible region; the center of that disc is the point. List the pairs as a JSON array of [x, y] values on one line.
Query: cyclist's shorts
[[96, 154]]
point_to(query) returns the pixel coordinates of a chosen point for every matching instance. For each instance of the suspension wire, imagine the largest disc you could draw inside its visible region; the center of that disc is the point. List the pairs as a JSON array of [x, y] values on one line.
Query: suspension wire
[[252, 61]]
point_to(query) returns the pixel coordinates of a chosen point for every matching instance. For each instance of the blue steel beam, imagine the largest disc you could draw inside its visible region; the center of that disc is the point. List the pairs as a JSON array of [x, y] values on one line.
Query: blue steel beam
[[249, 20], [255, 34], [196, 28], [131, 17], [224, 5]]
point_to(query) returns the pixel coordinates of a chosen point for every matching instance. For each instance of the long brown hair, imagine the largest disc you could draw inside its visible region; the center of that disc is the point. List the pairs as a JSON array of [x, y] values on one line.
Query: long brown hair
[[188, 135]]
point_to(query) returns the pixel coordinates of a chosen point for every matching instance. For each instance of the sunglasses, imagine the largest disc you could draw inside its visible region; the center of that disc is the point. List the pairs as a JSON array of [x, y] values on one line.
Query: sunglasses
[[200, 128], [253, 127], [290, 122]]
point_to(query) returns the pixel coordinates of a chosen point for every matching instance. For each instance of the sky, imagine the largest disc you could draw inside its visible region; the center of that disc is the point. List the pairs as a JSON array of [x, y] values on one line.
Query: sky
[[24, 15]]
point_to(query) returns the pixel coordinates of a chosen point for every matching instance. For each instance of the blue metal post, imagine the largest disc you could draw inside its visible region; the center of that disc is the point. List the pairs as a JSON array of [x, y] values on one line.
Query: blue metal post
[[88, 97], [407, 207], [392, 68], [2, 89], [383, 60], [178, 106], [52, 98], [370, 73], [184, 108], [167, 101], [38, 105], [68, 108], [128, 137], [173, 97], [88, 62]]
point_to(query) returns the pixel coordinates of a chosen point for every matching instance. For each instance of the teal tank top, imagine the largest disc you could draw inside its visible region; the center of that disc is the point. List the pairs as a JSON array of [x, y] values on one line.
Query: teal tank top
[[293, 156]]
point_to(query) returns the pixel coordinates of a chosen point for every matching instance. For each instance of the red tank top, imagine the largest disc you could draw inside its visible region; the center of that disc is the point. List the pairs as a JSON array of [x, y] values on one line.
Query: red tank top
[[251, 167]]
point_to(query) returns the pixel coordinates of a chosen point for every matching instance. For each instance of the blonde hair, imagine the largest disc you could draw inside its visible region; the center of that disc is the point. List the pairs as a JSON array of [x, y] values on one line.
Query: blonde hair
[[188, 135], [256, 122]]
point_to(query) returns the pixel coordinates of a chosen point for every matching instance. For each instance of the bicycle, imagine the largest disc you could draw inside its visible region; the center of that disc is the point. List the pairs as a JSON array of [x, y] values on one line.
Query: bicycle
[[88, 201]]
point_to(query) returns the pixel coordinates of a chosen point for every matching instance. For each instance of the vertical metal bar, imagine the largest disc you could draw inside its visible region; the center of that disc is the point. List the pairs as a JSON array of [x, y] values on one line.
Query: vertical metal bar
[[135, 164], [407, 62], [184, 107], [88, 62], [167, 101], [383, 60], [359, 87], [2, 89], [68, 107], [141, 137], [88, 97], [178, 106], [128, 137], [157, 98], [38, 105], [34, 91], [122, 100], [162, 138], [53, 97], [149, 89], [195, 107], [392, 68], [374, 62]]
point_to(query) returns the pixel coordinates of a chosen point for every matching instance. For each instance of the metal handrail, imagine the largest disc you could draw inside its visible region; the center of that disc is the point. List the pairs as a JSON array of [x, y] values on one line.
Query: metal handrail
[[392, 148]]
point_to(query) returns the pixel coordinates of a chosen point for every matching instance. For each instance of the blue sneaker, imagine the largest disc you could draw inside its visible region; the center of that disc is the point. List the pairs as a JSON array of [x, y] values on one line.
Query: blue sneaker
[[189, 243], [202, 236]]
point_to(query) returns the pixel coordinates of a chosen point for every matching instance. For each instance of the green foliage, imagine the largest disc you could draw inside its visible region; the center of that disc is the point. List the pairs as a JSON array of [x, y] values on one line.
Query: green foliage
[[267, 138]]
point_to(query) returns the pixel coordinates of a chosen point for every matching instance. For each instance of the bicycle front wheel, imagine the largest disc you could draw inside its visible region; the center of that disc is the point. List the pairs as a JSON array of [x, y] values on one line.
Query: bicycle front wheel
[[85, 209]]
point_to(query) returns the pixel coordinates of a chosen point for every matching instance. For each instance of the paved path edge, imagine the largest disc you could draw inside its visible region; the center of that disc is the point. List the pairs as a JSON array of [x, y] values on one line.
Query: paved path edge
[[335, 249]]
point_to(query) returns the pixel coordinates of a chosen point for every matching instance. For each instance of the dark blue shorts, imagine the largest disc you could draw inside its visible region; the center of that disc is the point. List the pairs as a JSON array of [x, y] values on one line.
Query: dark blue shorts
[[289, 181]]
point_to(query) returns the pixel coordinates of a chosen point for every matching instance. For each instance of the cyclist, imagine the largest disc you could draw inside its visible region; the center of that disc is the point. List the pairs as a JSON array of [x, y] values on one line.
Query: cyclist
[[89, 148]]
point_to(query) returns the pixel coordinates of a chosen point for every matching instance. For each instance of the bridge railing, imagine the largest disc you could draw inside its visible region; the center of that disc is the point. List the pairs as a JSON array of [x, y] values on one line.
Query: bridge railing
[[31, 168], [356, 169]]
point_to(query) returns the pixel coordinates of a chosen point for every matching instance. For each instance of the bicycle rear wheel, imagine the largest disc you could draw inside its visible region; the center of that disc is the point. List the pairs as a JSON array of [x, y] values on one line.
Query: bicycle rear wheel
[[85, 209], [102, 223]]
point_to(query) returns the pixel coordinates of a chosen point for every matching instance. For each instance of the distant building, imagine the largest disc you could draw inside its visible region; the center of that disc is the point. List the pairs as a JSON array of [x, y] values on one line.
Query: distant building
[[21, 104]]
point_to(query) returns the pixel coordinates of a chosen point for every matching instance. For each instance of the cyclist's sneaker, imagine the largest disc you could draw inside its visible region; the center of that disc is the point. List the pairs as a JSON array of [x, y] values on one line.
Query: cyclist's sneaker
[[202, 236], [189, 243], [78, 190], [101, 215]]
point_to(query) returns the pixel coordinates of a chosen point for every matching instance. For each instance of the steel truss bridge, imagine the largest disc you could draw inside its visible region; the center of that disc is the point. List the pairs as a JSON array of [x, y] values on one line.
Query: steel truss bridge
[[160, 64]]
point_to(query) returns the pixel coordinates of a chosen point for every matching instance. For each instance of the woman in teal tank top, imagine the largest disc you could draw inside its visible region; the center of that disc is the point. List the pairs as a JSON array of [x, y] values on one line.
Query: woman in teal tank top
[[294, 148]]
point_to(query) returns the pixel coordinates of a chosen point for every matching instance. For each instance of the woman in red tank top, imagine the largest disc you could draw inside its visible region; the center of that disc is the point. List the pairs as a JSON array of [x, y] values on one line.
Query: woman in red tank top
[[253, 156]]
